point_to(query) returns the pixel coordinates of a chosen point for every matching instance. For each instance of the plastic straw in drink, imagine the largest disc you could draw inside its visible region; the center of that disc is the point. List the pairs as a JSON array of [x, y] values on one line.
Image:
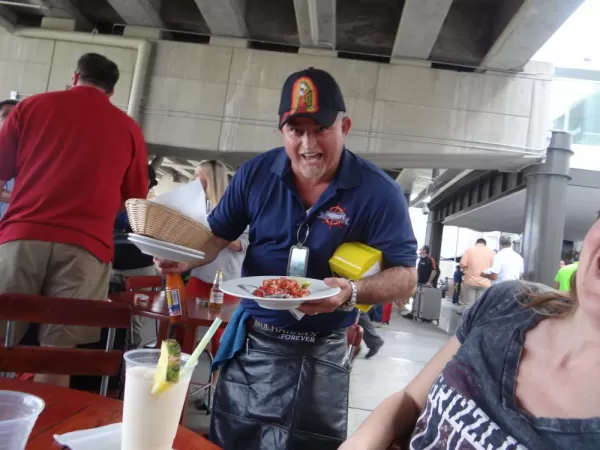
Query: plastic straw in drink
[[201, 346]]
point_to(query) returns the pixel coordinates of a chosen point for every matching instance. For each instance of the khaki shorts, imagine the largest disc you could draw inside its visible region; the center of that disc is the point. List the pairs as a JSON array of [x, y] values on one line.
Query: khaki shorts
[[54, 270], [470, 294]]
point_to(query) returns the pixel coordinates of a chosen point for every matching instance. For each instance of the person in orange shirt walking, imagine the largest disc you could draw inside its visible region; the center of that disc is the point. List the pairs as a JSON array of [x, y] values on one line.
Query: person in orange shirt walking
[[477, 259]]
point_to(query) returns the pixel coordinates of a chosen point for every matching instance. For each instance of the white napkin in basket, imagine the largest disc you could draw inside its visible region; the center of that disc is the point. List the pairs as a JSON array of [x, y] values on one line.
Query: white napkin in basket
[[188, 199]]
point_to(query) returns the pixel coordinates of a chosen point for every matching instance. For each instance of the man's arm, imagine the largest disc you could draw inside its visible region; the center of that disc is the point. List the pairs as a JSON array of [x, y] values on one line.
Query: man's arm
[[9, 146], [433, 272], [490, 276], [557, 280], [464, 261], [387, 286], [227, 222], [4, 194], [495, 269], [388, 229], [135, 183]]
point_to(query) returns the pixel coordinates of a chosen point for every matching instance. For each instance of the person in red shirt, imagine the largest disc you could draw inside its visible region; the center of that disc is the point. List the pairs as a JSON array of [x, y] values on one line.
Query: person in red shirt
[[75, 158]]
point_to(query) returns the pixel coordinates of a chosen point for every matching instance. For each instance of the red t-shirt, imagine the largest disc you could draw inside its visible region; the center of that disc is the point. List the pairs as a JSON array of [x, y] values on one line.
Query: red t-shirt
[[75, 158]]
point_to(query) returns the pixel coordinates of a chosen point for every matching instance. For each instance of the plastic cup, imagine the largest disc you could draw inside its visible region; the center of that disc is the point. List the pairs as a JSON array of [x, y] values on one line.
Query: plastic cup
[[18, 413], [150, 421]]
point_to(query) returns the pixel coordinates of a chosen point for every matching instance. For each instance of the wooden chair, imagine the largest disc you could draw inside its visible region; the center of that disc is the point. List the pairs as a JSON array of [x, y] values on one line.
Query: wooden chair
[[63, 311], [136, 283]]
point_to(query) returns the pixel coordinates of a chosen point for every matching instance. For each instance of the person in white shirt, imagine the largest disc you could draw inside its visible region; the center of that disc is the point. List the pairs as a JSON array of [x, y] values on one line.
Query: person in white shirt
[[214, 178], [507, 265]]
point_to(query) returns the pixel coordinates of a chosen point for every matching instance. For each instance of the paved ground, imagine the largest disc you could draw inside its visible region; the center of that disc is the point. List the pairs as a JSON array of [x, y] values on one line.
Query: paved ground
[[408, 346]]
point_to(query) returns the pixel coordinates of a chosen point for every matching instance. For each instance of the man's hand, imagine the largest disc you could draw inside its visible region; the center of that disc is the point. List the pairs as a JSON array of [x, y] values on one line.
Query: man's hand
[[165, 266], [332, 303]]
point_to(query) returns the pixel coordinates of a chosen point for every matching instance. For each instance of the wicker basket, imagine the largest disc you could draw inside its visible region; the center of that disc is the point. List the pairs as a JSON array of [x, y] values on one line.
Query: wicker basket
[[160, 222]]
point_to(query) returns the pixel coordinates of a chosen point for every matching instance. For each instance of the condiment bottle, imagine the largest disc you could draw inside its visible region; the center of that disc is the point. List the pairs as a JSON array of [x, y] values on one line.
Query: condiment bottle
[[216, 294], [175, 293]]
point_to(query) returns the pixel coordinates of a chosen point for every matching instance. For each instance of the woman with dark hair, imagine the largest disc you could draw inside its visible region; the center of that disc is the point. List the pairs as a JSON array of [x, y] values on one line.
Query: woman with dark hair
[[521, 373]]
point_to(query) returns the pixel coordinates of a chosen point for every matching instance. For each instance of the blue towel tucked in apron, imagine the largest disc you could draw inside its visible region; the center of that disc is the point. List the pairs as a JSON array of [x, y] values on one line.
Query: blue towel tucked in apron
[[233, 338]]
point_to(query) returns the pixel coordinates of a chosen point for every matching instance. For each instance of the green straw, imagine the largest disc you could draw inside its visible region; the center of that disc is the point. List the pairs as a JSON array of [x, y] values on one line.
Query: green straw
[[189, 365]]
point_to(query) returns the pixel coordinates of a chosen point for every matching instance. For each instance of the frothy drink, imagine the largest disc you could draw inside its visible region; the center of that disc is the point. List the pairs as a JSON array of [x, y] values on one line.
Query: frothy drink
[[150, 421]]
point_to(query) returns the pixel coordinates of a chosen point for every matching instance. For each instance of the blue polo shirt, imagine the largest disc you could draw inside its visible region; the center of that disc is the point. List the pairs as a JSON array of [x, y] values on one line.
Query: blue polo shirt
[[362, 204]]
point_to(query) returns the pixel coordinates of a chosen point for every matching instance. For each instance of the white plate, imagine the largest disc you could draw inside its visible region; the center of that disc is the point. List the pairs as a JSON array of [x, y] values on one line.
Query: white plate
[[162, 252], [243, 287], [181, 248]]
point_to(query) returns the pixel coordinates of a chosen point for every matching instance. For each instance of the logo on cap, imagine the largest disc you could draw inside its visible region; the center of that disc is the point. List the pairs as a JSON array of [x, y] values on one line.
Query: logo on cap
[[305, 97]]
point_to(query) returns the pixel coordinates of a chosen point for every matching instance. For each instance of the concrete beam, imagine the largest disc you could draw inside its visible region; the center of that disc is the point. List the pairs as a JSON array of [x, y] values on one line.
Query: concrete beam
[[407, 179], [316, 23], [528, 30], [64, 9], [144, 13], [420, 25], [8, 19], [224, 17]]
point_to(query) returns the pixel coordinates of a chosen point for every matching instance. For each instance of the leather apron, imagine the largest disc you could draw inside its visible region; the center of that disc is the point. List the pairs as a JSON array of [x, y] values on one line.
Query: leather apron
[[286, 390]]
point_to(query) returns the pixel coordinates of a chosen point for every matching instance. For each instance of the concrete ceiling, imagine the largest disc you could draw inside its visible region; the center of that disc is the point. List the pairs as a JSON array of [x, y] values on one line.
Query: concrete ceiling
[[508, 213], [181, 169], [473, 34]]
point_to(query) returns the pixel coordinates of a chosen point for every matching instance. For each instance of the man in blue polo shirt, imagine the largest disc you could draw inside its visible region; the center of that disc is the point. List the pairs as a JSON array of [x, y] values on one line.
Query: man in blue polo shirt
[[284, 379]]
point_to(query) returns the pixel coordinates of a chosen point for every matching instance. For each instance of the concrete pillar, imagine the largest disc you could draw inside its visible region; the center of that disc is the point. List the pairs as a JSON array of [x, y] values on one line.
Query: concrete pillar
[[433, 235], [545, 201]]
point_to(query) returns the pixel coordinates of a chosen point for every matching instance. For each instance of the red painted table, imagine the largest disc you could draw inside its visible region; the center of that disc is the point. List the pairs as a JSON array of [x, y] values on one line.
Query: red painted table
[[155, 307], [71, 410]]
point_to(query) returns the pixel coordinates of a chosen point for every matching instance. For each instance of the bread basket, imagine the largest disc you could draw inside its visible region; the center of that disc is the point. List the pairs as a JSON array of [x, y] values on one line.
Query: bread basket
[[163, 223]]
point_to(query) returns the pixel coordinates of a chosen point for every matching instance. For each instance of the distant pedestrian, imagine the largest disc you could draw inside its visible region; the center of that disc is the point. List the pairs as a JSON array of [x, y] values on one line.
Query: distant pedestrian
[[458, 277]]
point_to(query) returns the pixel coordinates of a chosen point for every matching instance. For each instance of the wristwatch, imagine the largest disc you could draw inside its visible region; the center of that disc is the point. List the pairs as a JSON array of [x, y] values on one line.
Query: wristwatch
[[350, 304]]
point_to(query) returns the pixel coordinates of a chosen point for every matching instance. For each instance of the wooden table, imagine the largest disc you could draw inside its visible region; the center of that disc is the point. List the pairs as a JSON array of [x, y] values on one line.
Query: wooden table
[[71, 410], [153, 304], [156, 307]]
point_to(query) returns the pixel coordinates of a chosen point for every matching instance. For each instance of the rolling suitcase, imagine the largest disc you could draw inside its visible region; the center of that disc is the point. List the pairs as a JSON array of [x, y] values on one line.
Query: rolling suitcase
[[386, 314], [427, 304]]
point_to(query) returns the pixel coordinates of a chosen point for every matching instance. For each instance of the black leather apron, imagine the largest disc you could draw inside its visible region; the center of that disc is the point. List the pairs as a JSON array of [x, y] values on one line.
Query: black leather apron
[[284, 391]]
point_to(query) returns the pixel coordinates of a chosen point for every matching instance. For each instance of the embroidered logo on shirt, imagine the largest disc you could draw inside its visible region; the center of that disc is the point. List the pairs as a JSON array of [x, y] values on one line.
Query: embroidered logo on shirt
[[334, 217]]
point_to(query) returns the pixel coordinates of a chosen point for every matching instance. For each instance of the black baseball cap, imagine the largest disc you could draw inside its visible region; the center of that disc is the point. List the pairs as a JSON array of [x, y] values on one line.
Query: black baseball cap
[[311, 93]]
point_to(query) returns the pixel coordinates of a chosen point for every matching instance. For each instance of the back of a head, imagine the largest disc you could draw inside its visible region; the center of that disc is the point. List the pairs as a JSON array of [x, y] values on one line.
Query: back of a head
[[99, 71], [481, 241], [505, 241]]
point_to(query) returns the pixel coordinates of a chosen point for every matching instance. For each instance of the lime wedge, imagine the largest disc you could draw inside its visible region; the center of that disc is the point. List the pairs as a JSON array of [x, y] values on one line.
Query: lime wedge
[[167, 369], [302, 282]]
